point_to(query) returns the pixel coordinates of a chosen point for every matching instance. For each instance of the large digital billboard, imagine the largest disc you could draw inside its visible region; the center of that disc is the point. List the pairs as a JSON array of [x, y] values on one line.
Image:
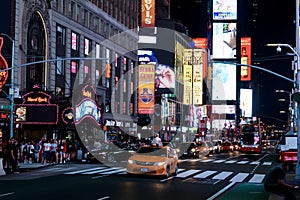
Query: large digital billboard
[[224, 41], [246, 102], [224, 82], [224, 9]]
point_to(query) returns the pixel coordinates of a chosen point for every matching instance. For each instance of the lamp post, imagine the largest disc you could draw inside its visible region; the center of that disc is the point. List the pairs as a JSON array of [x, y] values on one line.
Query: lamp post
[[297, 84], [11, 89]]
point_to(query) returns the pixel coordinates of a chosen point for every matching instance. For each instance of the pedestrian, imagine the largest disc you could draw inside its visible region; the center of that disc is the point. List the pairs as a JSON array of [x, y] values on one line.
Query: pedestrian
[[156, 140], [275, 181]]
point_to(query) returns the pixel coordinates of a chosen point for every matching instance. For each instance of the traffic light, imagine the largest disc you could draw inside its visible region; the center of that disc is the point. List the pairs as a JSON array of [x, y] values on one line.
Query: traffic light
[[107, 70]]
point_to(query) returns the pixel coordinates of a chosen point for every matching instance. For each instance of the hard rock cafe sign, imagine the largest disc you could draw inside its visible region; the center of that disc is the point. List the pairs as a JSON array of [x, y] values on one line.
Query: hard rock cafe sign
[[3, 66]]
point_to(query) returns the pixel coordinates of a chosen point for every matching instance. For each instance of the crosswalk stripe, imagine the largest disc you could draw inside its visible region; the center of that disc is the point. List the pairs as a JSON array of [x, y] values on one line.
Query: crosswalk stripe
[[207, 160], [204, 174], [218, 161], [230, 161], [84, 170], [257, 178], [187, 173], [100, 171], [222, 175], [242, 162], [254, 163], [114, 171], [239, 177], [267, 163]]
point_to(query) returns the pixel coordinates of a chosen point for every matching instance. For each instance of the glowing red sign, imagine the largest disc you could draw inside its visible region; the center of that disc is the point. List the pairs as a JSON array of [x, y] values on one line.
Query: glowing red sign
[[3, 66]]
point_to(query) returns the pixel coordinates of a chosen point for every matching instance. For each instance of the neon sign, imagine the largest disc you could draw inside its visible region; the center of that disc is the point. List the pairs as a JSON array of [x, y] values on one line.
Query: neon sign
[[3, 66]]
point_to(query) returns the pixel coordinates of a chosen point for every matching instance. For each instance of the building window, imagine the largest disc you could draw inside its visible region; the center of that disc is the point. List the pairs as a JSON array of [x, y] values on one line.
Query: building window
[[74, 67], [77, 12], [75, 41], [60, 66], [87, 46], [61, 35]]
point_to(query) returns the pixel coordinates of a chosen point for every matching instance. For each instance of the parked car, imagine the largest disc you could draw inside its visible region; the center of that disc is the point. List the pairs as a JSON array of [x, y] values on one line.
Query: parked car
[[226, 146], [153, 160]]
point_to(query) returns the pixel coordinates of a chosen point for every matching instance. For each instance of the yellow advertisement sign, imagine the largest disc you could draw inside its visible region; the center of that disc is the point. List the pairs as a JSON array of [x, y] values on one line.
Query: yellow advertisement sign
[[146, 90]]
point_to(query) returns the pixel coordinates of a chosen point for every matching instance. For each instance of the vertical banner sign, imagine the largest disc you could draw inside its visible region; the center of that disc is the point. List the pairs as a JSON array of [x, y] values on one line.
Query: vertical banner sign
[[146, 93], [245, 58], [188, 76], [202, 43], [197, 76], [3, 66], [148, 13]]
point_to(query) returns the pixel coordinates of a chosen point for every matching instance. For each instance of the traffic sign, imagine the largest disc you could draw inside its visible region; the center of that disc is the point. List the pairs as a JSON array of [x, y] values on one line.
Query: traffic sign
[[5, 107]]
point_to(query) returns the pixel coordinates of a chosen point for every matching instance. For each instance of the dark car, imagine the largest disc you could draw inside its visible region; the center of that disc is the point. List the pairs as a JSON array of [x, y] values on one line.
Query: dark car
[[112, 153], [188, 150], [226, 146]]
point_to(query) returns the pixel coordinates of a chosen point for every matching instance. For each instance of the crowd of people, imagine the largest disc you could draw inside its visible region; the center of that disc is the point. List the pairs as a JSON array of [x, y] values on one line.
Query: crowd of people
[[42, 151]]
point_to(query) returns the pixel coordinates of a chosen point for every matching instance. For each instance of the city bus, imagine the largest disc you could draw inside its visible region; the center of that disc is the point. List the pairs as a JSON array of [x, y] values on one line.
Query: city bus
[[250, 138]]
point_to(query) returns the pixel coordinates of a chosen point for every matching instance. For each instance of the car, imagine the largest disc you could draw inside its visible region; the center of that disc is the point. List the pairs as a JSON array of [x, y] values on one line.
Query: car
[[226, 146], [113, 153], [210, 147], [153, 160], [217, 146], [188, 150], [204, 148], [236, 145]]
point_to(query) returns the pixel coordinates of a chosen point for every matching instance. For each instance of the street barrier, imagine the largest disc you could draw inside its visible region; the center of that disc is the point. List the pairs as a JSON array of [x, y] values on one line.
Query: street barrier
[[2, 172]]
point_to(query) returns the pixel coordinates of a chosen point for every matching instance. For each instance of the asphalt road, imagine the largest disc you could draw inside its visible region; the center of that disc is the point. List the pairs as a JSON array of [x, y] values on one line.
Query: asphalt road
[[198, 179]]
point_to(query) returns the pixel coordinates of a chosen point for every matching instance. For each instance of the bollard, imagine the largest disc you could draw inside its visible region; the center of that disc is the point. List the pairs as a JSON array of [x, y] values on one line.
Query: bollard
[[2, 172]]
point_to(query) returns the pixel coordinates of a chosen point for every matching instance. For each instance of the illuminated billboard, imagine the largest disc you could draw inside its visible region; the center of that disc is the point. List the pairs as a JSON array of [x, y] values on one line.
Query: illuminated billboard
[[224, 41], [246, 102], [224, 82], [245, 58], [146, 93], [224, 9], [37, 113], [148, 13]]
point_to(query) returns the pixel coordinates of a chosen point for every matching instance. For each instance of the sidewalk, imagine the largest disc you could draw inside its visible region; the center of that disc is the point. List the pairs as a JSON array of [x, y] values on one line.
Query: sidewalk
[[254, 191]]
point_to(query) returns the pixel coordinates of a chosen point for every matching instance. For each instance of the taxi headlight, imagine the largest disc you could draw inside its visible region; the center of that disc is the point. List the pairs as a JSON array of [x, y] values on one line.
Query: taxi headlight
[[131, 161], [159, 163]]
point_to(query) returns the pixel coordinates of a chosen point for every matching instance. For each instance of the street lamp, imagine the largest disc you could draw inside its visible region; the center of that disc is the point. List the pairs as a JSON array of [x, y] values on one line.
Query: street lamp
[[11, 89], [297, 87]]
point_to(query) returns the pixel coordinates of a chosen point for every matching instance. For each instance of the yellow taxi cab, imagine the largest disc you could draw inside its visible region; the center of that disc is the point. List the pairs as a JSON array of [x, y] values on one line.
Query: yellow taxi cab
[[154, 160]]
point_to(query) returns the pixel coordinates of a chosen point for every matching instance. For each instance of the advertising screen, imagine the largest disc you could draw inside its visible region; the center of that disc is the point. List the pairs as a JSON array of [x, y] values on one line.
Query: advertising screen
[[224, 82], [246, 102], [224, 41], [224, 9], [37, 114]]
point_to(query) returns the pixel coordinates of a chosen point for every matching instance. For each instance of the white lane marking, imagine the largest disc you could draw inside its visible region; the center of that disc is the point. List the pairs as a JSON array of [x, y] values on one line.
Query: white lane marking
[[107, 197], [205, 174], [187, 173], [239, 177], [254, 163], [163, 180], [85, 170], [221, 191], [222, 175], [6, 194], [257, 178]]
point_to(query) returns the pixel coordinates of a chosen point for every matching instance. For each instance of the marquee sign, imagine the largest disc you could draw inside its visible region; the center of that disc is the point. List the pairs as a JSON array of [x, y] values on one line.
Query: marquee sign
[[3, 67]]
